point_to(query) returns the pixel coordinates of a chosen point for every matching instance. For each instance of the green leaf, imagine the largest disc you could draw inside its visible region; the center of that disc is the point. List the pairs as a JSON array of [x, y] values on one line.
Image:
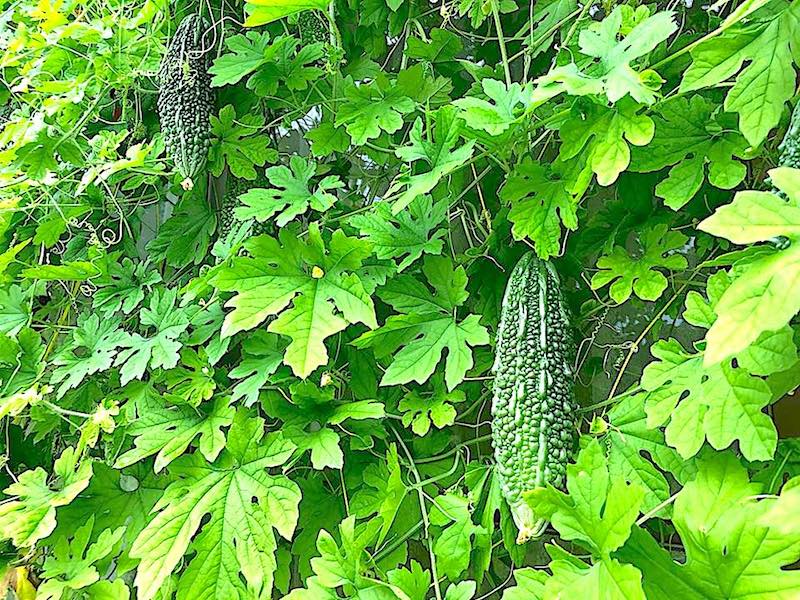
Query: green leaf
[[443, 46], [420, 411], [71, 567], [764, 42], [261, 12], [639, 275], [764, 293], [383, 492], [290, 195], [288, 271], [14, 312], [426, 327], [238, 144], [697, 144], [114, 499], [288, 68], [597, 512], [74, 270], [342, 565], [91, 349], [414, 582], [530, 585], [493, 118], [183, 239], [310, 413], [161, 350], [454, 544], [440, 155], [262, 355], [735, 546], [233, 548], [635, 450], [372, 108], [326, 139], [614, 56], [463, 590], [32, 516], [540, 203], [246, 54], [606, 580], [760, 216], [721, 404], [600, 138], [168, 430], [123, 286], [406, 235]]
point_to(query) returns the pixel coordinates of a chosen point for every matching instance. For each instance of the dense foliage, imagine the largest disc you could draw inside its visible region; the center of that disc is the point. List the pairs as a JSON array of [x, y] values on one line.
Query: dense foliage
[[251, 285]]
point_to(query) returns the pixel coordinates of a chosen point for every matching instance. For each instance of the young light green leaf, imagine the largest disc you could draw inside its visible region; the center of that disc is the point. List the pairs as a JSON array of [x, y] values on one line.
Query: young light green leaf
[[614, 56], [426, 327], [722, 404], [596, 511], [600, 138], [441, 156], [764, 294], [735, 546], [493, 118], [406, 235], [32, 516], [762, 88], [639, 275], [72, 565], [291, 194], [234, 548], [261, 12], [168, 430], [635, 450], [289, 271], [540, 204]]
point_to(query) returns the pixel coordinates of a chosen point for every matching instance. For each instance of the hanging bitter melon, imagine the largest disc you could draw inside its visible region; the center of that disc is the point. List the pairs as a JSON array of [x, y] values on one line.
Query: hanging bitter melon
[[185, 100], [533, 406]]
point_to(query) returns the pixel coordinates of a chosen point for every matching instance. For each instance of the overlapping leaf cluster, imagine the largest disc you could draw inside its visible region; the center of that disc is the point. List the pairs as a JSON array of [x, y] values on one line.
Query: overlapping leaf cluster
[[278, 383]]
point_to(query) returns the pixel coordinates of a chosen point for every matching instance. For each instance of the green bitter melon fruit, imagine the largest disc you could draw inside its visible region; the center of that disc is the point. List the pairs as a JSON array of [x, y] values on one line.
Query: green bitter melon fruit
[[235, 187], [533, 406], [185, 100], [312, 27]]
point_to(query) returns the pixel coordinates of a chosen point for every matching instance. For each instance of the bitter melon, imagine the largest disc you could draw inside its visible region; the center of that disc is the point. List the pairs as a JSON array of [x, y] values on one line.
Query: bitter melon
[[533, 406], [235, 187], [312, 27], [185, 101]]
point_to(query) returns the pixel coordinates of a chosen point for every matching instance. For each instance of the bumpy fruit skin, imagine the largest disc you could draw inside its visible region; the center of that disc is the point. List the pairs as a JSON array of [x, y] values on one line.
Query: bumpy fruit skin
[[312, 27], [533, 405], [235, 187], [790, 146], [185, 100]]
